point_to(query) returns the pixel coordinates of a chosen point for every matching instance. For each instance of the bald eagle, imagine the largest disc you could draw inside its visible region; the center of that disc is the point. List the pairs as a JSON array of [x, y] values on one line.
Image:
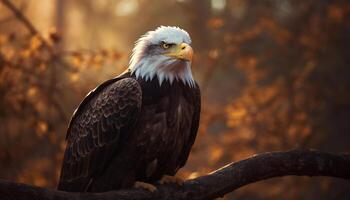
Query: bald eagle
[[138, 127]]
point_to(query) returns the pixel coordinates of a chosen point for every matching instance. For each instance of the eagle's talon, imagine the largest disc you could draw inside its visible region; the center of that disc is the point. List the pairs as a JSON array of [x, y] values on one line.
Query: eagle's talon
[[171, 179], [146, 186]]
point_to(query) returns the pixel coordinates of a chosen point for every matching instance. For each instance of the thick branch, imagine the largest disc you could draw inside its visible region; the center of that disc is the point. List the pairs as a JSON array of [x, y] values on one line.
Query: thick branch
[[216, 184]]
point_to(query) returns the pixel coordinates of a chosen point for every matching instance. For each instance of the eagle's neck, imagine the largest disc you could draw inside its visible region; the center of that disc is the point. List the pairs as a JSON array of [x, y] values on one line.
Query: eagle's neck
[[164, 69]]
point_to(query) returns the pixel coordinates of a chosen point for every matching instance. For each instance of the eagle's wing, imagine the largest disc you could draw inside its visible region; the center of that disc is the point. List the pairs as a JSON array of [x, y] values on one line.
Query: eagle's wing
[[196, 101], [102, 120]]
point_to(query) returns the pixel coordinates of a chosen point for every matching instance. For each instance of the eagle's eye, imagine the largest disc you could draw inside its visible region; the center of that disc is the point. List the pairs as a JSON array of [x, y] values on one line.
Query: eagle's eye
[[165, 45]]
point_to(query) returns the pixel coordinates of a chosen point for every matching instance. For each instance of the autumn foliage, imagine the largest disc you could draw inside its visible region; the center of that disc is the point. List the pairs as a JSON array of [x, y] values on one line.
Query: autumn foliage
[[274, 76]]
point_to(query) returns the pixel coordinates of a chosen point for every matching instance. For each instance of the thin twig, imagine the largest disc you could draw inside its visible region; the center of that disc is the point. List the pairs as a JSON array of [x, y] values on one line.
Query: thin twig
[[20, 16], [25, 21]]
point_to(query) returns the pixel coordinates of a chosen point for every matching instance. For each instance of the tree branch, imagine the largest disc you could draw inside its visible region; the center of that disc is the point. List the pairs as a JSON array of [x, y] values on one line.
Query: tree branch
[[33, 31], [20, 16], [216, 184]]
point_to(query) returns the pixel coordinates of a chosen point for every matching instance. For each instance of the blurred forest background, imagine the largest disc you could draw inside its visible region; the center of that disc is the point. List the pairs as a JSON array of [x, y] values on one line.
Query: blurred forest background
[[274, 74]]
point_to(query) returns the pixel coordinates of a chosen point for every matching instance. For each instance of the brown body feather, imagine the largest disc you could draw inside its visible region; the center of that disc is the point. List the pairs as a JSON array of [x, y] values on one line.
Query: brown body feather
[[129, 130]]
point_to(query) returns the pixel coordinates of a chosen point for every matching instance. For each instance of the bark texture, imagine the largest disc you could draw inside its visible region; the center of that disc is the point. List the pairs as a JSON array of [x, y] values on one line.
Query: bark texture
[[213, 185]]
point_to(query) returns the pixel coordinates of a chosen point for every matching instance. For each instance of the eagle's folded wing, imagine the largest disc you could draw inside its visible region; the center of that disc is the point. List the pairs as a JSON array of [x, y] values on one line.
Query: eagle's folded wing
[[102, 120]]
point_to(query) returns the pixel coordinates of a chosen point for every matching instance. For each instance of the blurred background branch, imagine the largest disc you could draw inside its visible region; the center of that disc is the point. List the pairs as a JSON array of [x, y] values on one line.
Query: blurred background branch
[[20, 16]]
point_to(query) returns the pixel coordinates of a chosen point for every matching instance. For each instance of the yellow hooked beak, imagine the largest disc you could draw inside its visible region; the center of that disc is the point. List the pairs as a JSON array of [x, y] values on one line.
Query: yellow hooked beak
[[182, 51]]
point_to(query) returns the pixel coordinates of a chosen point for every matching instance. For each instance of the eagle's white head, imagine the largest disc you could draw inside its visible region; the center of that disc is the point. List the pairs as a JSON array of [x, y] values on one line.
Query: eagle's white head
[[164, 53]]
